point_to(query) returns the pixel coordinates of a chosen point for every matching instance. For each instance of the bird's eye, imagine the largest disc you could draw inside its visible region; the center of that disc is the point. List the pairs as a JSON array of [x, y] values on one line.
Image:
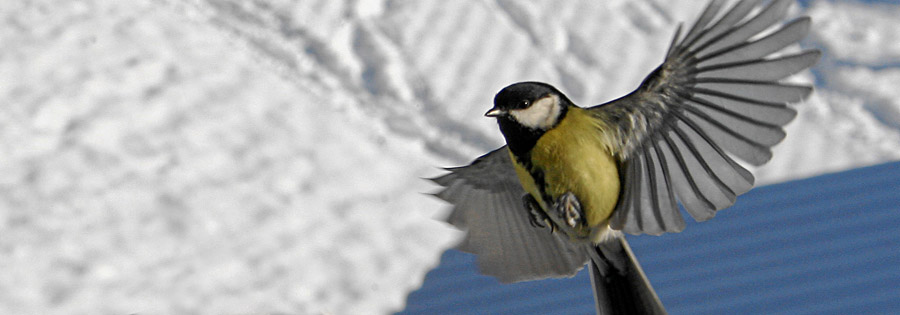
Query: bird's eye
[[524, 104]]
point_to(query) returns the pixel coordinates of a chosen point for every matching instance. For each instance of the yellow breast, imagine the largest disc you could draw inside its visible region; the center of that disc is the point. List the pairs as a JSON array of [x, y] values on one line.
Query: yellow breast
[[574, 157]]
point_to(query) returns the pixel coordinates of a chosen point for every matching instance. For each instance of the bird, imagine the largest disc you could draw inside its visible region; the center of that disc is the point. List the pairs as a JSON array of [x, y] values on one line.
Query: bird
[[571, 181]]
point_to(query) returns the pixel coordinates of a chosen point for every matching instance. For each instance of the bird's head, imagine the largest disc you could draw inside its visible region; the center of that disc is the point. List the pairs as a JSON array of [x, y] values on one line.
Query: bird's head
[[527, 110], [532, 105]]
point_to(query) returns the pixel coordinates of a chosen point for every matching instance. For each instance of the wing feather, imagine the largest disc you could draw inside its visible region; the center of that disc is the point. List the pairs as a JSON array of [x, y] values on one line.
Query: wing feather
[[791, 33], [699, 153], [487, 204], [665, 207], [737, 13], [760, 70], [686, 187], [760, 91], [640, 191], [651, 223], [771, 14], [705, 18], [629, 177], [717, 95], [741, 145]]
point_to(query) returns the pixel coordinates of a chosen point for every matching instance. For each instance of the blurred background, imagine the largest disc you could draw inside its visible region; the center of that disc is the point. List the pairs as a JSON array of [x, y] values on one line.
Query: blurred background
[[229, 156]]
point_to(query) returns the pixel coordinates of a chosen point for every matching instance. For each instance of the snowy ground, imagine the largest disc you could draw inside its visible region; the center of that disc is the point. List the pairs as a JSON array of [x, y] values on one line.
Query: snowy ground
[[230, 156]]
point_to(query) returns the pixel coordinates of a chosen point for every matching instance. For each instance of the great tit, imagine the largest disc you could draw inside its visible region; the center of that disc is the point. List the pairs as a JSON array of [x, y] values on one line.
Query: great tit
[[588, 174]]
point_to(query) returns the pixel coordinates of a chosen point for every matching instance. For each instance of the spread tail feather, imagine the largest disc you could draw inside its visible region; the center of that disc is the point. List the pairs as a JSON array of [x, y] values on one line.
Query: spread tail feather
[[620, 286]]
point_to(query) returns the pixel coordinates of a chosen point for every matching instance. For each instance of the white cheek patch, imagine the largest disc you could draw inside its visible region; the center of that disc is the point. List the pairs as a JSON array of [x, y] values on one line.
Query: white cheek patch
[[541, 114]]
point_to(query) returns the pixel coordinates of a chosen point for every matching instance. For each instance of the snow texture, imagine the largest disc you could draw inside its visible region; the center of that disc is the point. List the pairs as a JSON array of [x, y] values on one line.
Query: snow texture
[[230, 156]]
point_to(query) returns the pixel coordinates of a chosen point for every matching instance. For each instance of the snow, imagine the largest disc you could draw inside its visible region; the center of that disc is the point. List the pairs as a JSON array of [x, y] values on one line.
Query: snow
[[201, 156]]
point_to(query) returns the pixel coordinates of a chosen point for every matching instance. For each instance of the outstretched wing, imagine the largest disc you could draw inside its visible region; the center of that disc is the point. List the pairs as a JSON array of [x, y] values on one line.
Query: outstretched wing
[[487, 204], [718, 92]]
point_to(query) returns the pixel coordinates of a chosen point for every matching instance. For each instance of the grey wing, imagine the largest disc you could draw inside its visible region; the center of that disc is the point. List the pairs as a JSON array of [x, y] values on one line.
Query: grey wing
[[718, 94], [487, 205]]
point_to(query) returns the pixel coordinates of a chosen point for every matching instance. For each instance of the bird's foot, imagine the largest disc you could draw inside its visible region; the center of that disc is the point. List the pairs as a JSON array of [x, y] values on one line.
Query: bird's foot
[[568, 208], [537, 217]]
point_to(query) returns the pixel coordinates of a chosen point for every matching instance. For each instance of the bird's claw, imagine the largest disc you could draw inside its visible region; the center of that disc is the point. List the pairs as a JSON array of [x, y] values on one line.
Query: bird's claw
[[568, 208], [537, 217]]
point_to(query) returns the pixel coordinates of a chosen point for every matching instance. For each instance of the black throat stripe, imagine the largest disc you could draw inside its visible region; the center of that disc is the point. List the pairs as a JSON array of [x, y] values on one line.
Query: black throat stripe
[[537, 174]]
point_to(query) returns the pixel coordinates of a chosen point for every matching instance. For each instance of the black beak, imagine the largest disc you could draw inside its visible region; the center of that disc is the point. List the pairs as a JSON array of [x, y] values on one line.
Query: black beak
[[495, 112]]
